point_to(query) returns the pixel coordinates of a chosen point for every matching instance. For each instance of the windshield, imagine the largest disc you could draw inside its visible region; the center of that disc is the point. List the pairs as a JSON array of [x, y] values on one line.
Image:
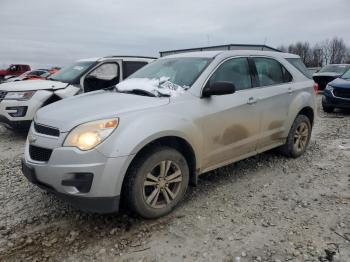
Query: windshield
[[340, 69], [70, 74], [346, 75], [179, 71], [298, 64]]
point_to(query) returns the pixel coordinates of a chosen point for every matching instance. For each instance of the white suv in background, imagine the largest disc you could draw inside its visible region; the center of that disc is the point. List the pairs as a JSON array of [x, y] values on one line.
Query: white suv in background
[[19, 101]]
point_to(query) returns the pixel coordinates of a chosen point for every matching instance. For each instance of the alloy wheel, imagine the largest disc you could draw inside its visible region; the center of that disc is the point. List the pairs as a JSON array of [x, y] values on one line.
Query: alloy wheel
[[301, 137], [162, 184]]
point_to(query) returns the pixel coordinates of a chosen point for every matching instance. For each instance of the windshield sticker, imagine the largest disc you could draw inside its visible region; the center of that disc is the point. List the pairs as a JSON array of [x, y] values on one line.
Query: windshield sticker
[[79, 68]]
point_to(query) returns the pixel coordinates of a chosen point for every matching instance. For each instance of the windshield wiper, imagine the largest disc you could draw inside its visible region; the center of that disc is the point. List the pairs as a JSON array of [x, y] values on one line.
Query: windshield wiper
[[140, 92]]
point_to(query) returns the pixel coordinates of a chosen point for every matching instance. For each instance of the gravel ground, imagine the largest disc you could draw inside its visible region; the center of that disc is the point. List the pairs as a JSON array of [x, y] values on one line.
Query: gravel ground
[[265, 208]]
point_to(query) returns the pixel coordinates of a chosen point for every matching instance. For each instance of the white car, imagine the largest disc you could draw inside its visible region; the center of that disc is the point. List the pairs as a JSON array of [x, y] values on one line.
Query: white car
[[20, 100]]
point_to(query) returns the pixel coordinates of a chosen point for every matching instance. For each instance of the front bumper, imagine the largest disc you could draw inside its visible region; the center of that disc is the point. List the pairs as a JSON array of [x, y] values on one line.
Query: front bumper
[[91, 204], [330, 100], [59, 174], [15, 112]]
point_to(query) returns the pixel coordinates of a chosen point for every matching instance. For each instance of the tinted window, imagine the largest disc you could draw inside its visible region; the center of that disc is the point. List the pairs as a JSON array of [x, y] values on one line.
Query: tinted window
[[271, 72], [131, 67], [235, 71], [298, 64]]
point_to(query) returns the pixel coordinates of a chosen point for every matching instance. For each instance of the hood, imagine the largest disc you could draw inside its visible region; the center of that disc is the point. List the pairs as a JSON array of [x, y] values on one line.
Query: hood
[[340, 82], [331, 74], [70, 112], [32, 85]]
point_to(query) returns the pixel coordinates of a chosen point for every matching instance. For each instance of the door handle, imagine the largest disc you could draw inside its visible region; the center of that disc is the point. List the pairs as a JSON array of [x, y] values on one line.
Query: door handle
[[290, 90], [252, 101]]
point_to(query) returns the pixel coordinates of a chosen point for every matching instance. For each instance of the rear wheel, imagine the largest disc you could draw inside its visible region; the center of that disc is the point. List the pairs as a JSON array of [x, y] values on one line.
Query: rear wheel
[[157, 182], [298, 137]]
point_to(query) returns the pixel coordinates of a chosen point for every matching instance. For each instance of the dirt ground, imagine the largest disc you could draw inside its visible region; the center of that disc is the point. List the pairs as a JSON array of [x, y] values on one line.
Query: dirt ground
[[265, 208]]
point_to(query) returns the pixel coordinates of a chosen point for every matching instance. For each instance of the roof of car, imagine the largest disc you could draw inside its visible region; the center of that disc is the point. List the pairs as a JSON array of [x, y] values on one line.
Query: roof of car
[[212, 54], [95, 59]]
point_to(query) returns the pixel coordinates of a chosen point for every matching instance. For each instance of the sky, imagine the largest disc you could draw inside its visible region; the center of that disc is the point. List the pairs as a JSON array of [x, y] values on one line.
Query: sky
[[47, 33]]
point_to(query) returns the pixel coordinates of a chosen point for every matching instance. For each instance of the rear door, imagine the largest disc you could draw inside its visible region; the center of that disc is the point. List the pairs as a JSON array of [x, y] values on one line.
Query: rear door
[[274, 94]]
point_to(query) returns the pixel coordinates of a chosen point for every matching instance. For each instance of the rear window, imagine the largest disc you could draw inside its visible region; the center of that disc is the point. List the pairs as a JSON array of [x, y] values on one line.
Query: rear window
[[298, 64], [339, 69]]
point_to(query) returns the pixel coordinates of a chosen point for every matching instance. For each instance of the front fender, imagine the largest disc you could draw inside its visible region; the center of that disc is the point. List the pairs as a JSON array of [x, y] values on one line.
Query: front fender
[[135, 132]]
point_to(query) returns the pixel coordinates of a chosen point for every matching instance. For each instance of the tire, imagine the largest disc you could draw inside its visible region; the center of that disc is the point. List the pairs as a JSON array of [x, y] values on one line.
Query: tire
[[326, 108], [298, 137], [147, 187]]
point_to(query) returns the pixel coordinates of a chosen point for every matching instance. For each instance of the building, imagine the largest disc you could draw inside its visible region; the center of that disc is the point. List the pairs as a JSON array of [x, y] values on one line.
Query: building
[[220, 47]]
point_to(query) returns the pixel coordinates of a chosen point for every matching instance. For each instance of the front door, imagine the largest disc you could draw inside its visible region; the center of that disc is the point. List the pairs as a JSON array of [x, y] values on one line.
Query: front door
[[231, 122]]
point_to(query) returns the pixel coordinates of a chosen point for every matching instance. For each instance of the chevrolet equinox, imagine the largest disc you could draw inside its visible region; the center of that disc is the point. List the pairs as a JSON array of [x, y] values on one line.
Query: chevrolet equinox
[[145, 140]]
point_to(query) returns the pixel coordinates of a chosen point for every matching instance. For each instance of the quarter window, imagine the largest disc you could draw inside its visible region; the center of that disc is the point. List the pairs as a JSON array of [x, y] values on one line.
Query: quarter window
[[271, 72], [235, 71]]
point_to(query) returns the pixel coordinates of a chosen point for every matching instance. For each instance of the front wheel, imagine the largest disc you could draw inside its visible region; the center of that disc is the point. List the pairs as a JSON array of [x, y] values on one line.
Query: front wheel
[[157, 182], [298, 137]]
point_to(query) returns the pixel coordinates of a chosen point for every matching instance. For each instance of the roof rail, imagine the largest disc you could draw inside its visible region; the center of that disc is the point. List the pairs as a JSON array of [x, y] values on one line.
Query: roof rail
[[130, 56]]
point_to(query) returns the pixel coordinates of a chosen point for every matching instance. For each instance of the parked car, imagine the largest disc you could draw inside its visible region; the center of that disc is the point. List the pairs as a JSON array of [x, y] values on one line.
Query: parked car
[[176, 118], [328, 73], [30, 75], [20, 100], [337, 94], [12, 71], [313, 70]]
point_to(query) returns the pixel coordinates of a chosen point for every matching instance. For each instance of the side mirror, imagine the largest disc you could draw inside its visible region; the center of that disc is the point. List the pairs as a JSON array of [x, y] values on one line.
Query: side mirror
[[218, 89]]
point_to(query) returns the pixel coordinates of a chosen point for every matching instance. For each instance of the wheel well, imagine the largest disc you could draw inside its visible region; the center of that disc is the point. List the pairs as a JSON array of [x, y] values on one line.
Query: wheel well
[[177, 143], [309, 113], [52, 99]]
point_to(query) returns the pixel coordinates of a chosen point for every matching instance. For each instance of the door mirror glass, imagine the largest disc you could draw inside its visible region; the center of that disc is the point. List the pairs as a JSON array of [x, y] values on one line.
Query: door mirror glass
[[108, 71], [219, 88]]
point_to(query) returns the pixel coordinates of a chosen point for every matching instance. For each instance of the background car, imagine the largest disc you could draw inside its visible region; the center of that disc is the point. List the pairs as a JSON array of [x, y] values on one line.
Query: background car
[[20, 100], [13, 70], [337, 93], [30, 75], [328, 73]]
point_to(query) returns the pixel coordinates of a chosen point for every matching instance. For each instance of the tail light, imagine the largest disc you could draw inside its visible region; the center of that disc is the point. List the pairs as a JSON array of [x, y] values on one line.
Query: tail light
[[315, 88]]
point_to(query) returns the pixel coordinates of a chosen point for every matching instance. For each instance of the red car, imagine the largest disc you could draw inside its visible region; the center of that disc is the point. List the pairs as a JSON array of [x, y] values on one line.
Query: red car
[[14, 70]]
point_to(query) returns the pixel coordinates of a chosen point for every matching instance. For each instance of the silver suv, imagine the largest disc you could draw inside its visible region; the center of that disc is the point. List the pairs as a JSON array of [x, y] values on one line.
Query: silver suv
[[181, 116]]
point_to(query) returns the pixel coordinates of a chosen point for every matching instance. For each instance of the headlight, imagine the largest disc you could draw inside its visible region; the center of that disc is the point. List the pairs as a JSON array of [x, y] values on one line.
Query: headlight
[[19, 95], [89, 135], [329, 88]]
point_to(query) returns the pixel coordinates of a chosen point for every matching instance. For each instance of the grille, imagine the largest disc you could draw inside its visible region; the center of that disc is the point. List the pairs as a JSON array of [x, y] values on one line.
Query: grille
[[2, 95], [343, 93], [46, 130], [39, 153]]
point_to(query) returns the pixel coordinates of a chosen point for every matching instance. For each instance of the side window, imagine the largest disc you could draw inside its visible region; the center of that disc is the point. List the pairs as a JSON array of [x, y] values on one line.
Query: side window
[[107, 71], [131, 67], [271, 72], [235, 71]]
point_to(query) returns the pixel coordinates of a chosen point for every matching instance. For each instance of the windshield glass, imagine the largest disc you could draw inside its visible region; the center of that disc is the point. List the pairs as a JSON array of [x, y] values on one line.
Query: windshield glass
[[179, 71], [340, 69], [346, 75], [70, 73], [168, 76]]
